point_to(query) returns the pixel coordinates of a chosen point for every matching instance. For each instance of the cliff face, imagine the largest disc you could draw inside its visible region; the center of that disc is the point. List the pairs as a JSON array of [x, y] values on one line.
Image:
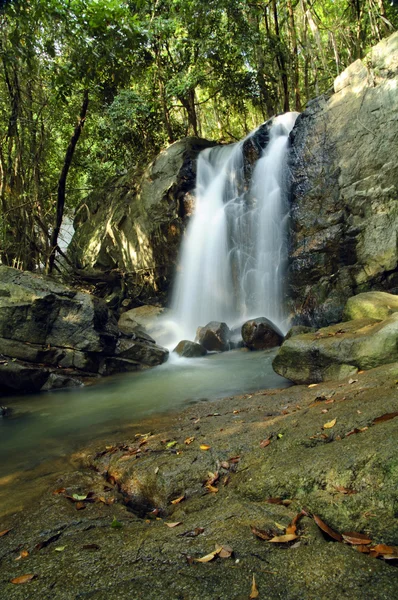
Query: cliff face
[[137, 227], [344, 199]]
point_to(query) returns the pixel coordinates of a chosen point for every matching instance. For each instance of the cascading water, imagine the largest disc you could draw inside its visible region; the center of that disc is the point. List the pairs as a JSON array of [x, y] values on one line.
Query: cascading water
[[232, 258]]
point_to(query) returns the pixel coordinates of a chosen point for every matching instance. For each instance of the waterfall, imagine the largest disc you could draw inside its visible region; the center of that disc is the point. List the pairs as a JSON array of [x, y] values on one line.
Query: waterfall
[[233, 256]]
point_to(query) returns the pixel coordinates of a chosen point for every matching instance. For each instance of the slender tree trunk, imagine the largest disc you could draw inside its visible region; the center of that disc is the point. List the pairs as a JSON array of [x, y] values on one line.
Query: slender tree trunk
[[281, 60], [293, 39], [62, 181]]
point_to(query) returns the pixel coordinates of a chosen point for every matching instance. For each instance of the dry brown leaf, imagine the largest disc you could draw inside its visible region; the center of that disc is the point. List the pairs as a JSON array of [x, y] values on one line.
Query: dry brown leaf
[[330, 401], [384, 550], [189, 440], [4, 532], [260, 533], [59, 491], [254, 591], [282, 539], [363, 549], [386, 417], [80, 505], [23, 578], [312, 385], [208, 557], [322, 525], [330, 424], [213, 477], [211, 488], [265, 443], [354, 538], [204, 447], [171, 525], [293, 525], [178, 500], [24, 554], [234, 459]]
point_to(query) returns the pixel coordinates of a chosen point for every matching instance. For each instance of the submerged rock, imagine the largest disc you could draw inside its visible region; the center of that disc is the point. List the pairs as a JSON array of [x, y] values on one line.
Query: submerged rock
[[261, 334], [214, 336], [338, 351], [189, 349]]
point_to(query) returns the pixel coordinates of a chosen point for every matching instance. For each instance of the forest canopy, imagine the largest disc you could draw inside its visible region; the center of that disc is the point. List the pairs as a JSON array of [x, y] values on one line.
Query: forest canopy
[[91, 87]]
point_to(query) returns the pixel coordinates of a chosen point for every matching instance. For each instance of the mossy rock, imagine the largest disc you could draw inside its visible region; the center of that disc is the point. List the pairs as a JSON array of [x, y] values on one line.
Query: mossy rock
[[375, 305]]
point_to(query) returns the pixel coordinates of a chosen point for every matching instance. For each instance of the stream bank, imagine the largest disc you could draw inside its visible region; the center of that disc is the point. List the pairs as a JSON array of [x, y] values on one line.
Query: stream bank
[[328, 448]]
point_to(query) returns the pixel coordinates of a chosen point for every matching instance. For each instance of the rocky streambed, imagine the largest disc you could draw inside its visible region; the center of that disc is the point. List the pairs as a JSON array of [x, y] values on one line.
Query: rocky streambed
[[132, 518]]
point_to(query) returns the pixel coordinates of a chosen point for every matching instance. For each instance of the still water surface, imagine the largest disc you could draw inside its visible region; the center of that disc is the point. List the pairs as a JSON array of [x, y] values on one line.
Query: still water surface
[[49, 426]]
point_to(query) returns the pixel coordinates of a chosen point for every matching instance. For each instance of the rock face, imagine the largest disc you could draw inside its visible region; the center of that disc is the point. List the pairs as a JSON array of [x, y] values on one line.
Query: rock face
[[52, 336], [344, 209], [137, 228], [189, 349], [376, 305], [261, 334], [214, 336], [338, 351]]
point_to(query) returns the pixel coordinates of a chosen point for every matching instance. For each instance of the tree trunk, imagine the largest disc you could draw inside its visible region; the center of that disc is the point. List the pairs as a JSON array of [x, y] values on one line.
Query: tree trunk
[[281, 60], [62, 181], [293, 39]]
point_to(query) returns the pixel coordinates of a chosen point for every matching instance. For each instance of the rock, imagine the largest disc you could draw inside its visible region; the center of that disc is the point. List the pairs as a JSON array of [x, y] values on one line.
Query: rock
[[298, 330], [376, 305], [190, 349], [338, 351], [261, 334], [214, 337], [138, 228], [40, 311], [113, 365], [142, 321], [16, 378], [344, 211], [141, 352]]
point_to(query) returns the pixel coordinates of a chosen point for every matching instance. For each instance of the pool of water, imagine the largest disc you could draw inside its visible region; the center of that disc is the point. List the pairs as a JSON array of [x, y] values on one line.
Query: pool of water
[[52, 425]]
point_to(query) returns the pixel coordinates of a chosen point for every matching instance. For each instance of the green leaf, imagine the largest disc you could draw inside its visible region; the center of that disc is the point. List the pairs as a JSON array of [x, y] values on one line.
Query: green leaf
[[171, 444], [77, 497], [116, 524]]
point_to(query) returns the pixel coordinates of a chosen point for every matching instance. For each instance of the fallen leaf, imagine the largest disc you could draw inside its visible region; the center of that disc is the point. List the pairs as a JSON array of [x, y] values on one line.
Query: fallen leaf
[[208, 557], [354, 538], [331, 400], [254, 591], [312, 385], [116, 524], [279, 526], [59, 548], [265, 443], [91, 547], [189, 440], [211, 488], [23, 554], [363, 549], [59, 491], [80, 505], [171, 444], [156, 470], [330, 424], [224, 551], [193, 533], [171, 525], [4, 532], [213, 477], [293, 525], [205, 447], [322, 525], [235, 412], [260, 533], [79, 498], [224, 464], [352, 381], [384, 549], [385, 417], [234, 459], [226, 480], [178, 500], [282, 539], [23, 578]]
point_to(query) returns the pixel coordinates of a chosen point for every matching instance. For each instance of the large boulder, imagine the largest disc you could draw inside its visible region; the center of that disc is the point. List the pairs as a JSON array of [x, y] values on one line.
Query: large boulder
[[339, 350], [377, 305], [261, 334], [188, 349], [344, 209], [136, 224], [52, 336], [214, 336]]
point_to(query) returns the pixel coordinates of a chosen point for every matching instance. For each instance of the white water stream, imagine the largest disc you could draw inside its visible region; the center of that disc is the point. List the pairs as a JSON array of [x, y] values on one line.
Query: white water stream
[[234, 253]]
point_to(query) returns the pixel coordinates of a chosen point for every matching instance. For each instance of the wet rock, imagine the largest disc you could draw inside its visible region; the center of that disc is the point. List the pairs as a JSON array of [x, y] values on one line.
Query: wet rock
[[17, 378], [148, 354], [189, 349], [376, 305], [261, 334], [344, 214], [338, 351], [298, 330], [143, 322], [214, 337]]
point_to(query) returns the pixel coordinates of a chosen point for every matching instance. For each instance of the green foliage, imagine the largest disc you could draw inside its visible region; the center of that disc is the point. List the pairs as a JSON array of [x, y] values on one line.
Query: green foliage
[[154, 72]]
